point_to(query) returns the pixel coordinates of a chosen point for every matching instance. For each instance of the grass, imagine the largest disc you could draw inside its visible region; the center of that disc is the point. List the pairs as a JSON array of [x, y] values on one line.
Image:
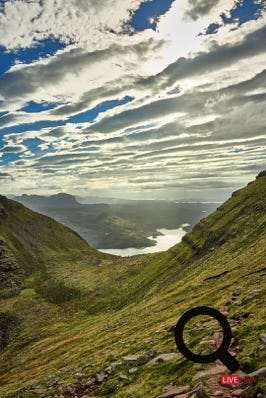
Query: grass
[[127, 306]]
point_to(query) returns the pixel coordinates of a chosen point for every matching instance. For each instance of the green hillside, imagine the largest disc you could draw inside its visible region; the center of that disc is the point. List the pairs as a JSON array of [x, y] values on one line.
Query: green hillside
[[69, 314], [96, 223]]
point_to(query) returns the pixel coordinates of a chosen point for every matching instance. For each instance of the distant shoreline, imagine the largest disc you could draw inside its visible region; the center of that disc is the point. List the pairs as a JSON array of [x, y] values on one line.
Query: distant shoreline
[[165, 239]]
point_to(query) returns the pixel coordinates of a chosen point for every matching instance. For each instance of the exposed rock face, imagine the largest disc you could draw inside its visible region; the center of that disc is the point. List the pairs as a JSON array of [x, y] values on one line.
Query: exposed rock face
[[10, 273], [3, 213]]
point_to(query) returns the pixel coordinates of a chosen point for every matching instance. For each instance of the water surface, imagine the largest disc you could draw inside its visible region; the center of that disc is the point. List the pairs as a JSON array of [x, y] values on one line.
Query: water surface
[[169, 238]]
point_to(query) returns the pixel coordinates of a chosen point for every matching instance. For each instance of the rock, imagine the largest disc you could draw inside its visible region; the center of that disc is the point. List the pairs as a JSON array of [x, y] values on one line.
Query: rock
[[259, 395], [123, 377], [132, 370], [196, 330], [172, 391], [143, 359], [224, 309], [218, 394], [263, 337], [162, 358], [116, 365], [254, 292], [258, 372], [109, 370], [100, 377], [80, 376], [86, 367], [198, 392], [152, 353], [218, 338], [181, 396], [140, 359], [239, 393], [148, 340], [90, 382], [214, 370], [53, 383], [171, 329], [210, 342], [234, 323], [70, 390]]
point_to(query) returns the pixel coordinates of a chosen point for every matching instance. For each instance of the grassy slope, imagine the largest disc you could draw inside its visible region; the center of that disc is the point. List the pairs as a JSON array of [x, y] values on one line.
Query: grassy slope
[[118, 308]]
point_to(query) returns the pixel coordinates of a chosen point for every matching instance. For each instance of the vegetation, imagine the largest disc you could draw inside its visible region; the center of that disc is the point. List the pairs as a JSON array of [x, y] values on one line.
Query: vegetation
[[80, 310], [117, 225]]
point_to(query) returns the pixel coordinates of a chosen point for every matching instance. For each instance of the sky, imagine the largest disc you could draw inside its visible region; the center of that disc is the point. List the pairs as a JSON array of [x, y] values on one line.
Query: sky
[[158, 99]]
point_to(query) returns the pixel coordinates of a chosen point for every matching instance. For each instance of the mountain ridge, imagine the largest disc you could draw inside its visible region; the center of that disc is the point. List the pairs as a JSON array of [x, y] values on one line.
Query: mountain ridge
[[117, 225]]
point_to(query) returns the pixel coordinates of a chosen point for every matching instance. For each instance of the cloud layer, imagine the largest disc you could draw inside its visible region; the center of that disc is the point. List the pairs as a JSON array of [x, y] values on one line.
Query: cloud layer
[[194, 124]]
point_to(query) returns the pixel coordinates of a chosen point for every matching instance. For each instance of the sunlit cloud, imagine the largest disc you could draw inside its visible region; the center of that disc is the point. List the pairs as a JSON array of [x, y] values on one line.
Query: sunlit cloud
[[92, 101]]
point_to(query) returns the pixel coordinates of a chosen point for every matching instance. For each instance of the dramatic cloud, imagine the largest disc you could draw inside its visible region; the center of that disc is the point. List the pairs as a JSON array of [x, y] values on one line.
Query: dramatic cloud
[[87, 22], [198, 8], [108, 108]]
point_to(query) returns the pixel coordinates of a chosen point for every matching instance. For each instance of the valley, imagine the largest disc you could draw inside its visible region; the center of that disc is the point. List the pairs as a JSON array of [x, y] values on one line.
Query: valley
[[71, 312], [121, 224]]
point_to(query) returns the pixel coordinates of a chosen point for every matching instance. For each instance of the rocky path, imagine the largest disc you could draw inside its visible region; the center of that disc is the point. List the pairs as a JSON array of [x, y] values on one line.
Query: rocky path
[[207, 382]]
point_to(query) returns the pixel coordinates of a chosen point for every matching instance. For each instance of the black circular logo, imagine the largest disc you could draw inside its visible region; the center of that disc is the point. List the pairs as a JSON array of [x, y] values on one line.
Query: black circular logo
[[221, 353]]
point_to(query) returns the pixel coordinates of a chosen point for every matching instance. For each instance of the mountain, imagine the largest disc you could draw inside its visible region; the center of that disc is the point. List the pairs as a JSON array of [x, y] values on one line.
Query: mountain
[[84, 324], [117, 225], [33, 244], [60, 201], [96, 223]]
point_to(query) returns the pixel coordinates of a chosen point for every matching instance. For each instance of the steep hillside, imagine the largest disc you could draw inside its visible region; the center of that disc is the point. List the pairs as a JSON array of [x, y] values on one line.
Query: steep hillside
[[96, 223], [34, 248], [94, 317]]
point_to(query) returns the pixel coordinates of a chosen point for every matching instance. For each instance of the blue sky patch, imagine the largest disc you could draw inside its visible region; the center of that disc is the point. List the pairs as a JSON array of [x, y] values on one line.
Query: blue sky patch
[[9, 157], [212, 28], [245, 11], [42, 49], [33, 145], [21, 128], [87, 116], [91, 114], [146, 16], [3, 114], [33, 106]]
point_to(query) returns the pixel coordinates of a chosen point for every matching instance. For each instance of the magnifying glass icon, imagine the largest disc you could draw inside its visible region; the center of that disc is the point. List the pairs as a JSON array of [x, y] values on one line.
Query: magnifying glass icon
[[221, 353]]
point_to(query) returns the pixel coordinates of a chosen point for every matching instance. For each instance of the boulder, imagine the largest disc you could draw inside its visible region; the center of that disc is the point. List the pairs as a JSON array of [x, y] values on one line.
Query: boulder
[[258, 373], [100, 377], [162, 358], [263, 337], [139, 358]]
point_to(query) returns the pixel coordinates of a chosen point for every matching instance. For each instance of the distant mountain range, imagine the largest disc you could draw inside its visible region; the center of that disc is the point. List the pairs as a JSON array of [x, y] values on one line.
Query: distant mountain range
[[117, 225], [60, 200]]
